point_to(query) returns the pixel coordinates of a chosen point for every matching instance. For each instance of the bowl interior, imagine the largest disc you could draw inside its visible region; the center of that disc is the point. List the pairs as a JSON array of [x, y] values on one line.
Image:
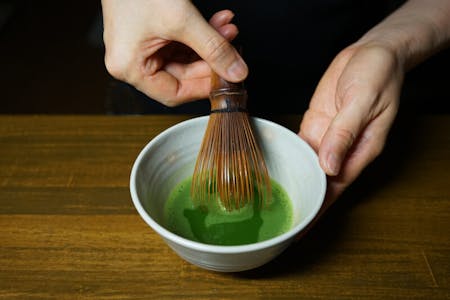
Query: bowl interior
[[170, 158]]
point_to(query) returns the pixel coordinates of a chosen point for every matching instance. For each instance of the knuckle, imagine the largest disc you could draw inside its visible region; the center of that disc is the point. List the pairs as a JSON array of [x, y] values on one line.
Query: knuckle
[[169, 102], [113, 66], [117, 64], [346, 54], [345, 136], [218, 48]]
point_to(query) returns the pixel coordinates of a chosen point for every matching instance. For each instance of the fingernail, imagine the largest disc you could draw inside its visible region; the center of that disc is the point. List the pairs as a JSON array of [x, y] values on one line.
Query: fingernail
[[237, 70], [332, 164]]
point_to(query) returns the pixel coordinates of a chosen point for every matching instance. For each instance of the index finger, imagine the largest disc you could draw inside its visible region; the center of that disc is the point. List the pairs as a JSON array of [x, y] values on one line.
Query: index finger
[[177, 83]]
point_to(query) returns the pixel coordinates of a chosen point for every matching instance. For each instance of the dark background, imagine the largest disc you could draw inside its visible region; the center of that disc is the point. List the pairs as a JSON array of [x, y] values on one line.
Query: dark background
[[51, 58]]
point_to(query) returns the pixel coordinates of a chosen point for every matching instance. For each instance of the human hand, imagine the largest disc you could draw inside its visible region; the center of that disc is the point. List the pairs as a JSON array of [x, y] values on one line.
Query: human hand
[[351, 112], [166, 49]]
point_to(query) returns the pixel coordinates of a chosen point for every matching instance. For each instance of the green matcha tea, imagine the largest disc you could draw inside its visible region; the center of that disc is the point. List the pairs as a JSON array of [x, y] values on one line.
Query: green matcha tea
[[214, 225]]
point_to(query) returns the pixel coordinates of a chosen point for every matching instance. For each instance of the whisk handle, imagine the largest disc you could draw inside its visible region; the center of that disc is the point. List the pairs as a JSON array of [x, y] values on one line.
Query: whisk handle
[[227, 96]]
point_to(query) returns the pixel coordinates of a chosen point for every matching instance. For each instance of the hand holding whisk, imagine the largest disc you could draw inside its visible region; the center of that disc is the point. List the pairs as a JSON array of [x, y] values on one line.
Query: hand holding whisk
[[230, 167]]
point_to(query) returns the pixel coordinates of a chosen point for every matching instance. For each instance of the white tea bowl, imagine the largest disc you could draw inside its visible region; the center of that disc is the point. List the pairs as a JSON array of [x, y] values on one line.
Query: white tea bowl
[[170, 157]]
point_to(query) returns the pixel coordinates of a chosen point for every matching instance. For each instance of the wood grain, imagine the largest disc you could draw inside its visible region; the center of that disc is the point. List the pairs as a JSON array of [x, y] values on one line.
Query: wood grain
[[68, 229]]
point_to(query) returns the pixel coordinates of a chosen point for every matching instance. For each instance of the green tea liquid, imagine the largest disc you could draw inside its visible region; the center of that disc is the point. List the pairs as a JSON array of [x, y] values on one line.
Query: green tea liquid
[[214, 225]]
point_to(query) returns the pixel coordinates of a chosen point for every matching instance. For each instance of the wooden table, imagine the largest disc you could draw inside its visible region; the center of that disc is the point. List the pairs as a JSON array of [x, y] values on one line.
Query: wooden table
[[68, 228]]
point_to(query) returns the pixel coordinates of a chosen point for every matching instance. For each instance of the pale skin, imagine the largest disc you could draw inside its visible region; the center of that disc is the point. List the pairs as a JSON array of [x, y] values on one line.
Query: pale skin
[[167, 50]]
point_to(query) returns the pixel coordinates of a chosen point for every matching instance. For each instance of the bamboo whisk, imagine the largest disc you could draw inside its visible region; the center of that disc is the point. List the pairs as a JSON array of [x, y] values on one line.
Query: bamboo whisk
[[230, 167]]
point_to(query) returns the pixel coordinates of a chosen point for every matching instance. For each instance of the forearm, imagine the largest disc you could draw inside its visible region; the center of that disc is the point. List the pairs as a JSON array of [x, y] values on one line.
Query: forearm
[[414, 32]]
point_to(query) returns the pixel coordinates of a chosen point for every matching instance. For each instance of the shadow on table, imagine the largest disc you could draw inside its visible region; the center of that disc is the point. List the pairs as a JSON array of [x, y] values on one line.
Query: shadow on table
[[326, 235]]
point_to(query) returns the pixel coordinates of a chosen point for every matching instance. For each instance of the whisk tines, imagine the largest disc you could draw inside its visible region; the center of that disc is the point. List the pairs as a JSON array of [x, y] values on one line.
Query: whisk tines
[[230, 166]]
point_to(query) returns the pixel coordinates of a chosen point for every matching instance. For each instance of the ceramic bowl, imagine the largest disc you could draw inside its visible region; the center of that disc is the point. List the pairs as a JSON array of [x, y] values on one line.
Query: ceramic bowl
[[170, 157]]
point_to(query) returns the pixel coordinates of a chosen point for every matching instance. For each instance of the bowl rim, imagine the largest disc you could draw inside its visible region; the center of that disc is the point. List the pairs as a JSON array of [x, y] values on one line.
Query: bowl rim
[[222, 249]]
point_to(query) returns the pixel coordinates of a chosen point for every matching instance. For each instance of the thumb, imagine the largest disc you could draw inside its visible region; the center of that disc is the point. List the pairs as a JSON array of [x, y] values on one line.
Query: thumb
[[220, 55], [338, 139]]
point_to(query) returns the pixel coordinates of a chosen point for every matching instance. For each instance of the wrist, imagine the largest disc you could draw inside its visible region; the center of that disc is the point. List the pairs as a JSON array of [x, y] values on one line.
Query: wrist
[[414, 32]]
